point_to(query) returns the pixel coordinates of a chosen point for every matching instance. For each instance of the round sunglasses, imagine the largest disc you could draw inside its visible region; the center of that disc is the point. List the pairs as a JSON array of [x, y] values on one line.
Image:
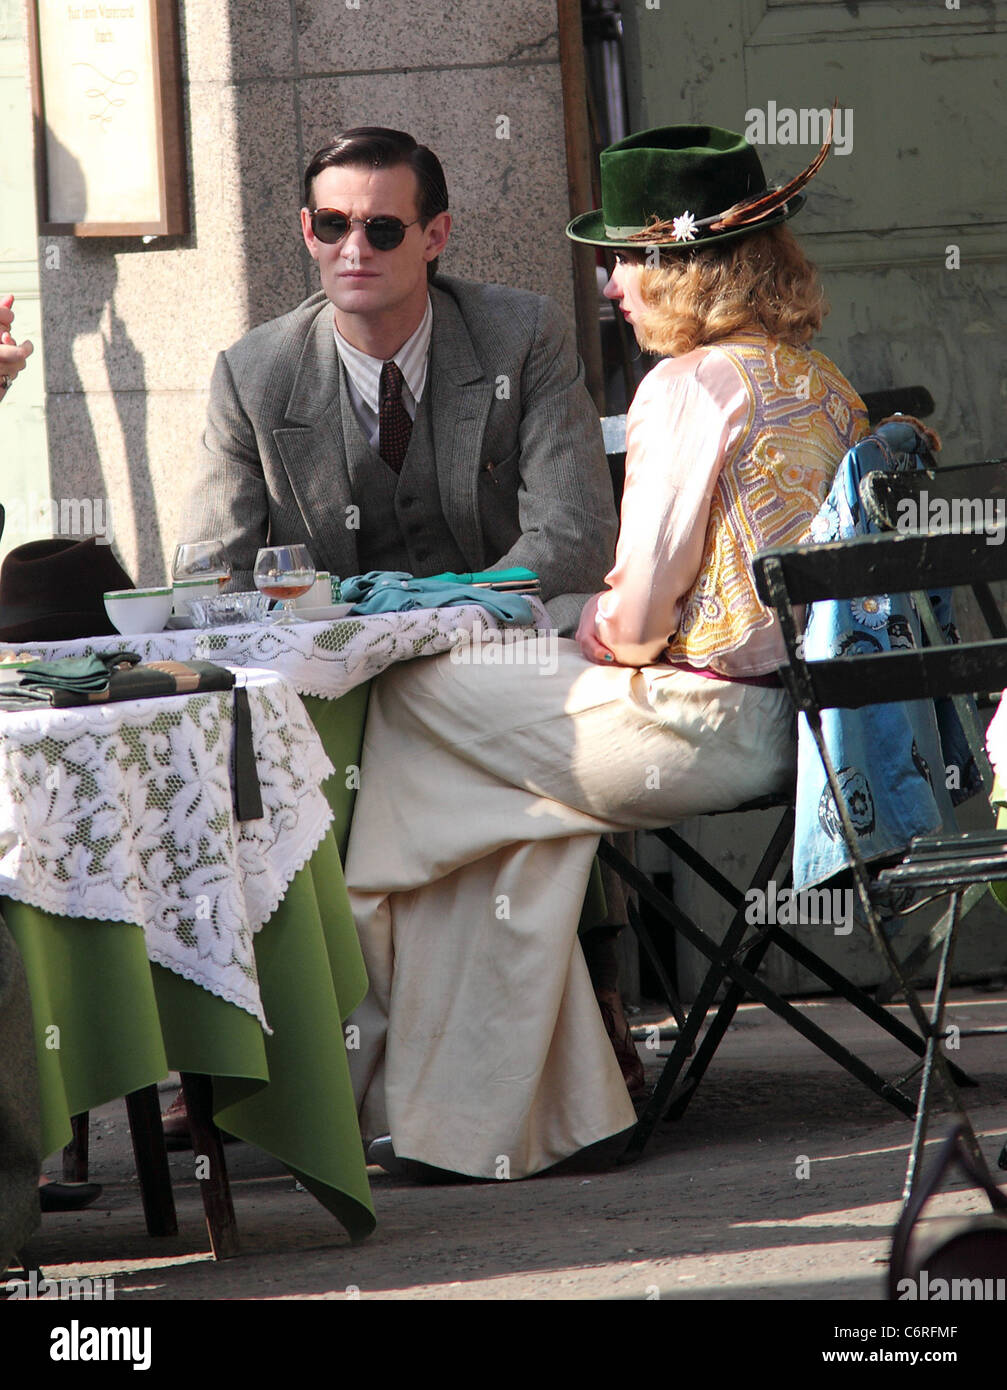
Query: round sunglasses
[[384, 233]]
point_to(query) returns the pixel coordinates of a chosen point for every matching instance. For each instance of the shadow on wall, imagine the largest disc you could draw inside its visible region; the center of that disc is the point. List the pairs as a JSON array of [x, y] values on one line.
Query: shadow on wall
[[83, 417]]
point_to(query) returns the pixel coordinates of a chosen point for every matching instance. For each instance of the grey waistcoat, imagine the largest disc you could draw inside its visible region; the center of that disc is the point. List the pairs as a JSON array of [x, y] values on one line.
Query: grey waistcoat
[[402, 524]]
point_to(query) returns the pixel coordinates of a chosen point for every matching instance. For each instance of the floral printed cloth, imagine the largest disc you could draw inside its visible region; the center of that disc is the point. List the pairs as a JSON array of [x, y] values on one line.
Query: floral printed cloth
[[902, 767], [124, 813]]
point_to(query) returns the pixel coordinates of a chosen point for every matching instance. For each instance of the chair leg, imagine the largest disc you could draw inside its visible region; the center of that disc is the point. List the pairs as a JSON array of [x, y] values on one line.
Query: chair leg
[[75, 1158], [144, 1111], [881, 942], [28, 1263], [685, 1043], [871, 1008], [689, 1027], [714, 952], [932, 1060], [664, 1095], [211, 1166], [931, 943], [645, 939], [714, 1035]]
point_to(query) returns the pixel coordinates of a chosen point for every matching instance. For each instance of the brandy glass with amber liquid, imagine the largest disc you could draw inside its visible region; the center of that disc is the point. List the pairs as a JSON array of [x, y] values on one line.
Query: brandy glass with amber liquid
[[284, 572]]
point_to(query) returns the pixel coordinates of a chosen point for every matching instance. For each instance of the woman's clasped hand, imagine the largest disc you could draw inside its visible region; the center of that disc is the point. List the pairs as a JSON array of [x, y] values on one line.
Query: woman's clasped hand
[[13, 355]]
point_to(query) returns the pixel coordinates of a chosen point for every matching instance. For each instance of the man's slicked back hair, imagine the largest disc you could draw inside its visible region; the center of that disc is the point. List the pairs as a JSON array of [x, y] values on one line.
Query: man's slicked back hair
[[376, 147]]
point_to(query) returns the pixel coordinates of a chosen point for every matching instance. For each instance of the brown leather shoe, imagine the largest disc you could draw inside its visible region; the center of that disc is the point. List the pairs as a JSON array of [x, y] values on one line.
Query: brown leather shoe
[[175, 1123], [618, 1030]]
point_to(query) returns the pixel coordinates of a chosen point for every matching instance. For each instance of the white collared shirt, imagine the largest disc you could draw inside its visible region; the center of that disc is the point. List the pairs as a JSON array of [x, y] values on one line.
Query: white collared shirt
[[364, 374]]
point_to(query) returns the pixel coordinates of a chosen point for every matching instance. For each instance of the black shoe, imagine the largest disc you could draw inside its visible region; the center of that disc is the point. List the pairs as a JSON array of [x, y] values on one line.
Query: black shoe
[[380, 1152], [67, 1196]]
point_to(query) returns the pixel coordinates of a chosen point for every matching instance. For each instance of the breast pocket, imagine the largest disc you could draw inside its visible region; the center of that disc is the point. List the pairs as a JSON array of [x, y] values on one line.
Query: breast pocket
[[501, 474], [499, 486]]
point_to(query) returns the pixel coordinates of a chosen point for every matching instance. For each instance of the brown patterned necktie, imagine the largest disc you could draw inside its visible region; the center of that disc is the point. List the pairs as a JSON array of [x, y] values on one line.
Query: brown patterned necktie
[[394, 424]]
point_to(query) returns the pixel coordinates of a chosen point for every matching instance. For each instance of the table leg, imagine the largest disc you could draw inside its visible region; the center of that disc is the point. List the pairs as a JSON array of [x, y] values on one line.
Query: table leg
[[144, 1111], [211, 1168], [75, 1153]]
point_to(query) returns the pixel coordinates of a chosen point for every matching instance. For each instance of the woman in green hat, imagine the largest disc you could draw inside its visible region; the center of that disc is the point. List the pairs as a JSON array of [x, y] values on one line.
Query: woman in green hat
[[733, 440], [485, 784]]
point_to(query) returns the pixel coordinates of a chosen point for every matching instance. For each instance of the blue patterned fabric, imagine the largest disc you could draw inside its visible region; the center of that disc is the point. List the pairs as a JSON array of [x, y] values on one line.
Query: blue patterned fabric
[[903, 767]]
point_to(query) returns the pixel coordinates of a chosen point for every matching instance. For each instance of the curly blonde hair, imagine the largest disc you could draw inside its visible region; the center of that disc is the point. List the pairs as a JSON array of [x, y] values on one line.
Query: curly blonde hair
[[758, 283]]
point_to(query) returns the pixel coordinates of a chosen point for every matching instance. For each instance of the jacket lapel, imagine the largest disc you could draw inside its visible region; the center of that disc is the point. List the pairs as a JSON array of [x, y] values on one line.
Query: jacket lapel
[[460, 399], [313, 450]]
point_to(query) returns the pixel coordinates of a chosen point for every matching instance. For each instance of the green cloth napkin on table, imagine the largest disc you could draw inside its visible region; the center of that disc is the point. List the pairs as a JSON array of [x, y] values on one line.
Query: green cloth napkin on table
[[83, 673], [77, 675]]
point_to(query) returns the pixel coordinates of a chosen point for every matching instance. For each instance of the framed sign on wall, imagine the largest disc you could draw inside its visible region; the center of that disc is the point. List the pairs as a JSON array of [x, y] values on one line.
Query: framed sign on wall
[[107, 104]]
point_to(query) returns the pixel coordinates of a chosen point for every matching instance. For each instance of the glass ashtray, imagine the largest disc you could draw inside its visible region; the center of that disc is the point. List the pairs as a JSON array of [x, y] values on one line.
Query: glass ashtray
[[224, 610]]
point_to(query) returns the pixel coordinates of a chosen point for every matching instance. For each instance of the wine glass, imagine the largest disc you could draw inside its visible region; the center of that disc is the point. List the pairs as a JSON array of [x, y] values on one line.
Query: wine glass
[[284, 572], [205, 560]]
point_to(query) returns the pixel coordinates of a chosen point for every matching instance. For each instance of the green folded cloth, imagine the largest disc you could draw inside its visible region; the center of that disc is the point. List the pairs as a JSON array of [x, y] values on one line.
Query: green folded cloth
[[76, 673], [75, 677]]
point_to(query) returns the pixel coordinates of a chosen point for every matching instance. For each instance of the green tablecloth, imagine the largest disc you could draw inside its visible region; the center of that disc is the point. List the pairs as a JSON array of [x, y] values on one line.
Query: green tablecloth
[[124, 1022], [998, 800]]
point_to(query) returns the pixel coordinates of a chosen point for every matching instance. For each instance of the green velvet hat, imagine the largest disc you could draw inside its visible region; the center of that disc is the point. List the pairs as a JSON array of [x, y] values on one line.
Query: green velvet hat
[[679, 180]]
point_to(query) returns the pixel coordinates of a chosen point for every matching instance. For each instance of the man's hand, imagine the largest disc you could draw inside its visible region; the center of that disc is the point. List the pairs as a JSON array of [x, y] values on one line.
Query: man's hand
[[12, 356], [587, 638]]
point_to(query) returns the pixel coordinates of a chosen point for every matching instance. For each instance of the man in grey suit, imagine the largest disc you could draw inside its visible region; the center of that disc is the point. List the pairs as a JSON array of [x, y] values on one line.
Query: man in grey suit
[[401, 419]]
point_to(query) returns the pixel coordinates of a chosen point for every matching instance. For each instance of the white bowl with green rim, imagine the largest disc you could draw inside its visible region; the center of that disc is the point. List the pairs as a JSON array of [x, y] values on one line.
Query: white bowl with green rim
[[132, 611]]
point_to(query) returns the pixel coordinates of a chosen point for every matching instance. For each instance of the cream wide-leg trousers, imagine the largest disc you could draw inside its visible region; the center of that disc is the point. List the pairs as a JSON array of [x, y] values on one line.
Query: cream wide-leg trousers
[[484, 789]]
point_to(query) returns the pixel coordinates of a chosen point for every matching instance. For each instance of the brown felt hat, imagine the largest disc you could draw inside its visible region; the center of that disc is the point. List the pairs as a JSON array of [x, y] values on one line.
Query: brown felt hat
[[53, 590]]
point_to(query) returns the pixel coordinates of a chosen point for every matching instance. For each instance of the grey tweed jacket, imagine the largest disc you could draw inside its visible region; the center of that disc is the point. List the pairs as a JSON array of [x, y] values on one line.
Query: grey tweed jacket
[[519, 455]]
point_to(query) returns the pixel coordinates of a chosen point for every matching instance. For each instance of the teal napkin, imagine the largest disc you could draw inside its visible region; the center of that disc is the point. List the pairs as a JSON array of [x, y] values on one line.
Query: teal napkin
[[516, 575], [394, 591]]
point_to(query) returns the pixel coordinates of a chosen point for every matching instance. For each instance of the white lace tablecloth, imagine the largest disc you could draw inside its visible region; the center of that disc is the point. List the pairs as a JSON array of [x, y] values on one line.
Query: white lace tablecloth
[[124, 813], [325, 659], [996, 740]]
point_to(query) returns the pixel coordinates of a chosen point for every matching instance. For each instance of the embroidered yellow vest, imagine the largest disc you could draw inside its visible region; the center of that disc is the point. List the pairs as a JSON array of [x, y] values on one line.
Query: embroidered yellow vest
[[803, 417]]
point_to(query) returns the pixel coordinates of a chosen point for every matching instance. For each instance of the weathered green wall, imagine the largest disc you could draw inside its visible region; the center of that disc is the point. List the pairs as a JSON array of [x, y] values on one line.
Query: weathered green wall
[[926, 88]]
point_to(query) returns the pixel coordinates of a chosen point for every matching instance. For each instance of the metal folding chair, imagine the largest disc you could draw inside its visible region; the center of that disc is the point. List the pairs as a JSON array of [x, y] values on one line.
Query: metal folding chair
[[789, 578], [734, 962], [918, 502]]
